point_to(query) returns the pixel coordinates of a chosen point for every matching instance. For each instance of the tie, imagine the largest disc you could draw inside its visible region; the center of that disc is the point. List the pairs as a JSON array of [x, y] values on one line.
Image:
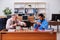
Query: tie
[[37, 27]]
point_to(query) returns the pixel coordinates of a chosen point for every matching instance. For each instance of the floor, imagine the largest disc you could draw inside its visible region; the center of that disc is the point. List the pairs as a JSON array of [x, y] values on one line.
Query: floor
[[55, 29], [58, 36]]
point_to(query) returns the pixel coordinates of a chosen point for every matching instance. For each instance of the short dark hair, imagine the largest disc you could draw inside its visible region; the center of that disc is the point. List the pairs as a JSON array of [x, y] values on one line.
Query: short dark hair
[[41, 15]]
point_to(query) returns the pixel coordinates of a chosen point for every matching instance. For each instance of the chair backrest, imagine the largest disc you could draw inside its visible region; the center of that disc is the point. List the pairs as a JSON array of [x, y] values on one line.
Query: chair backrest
[[3, 23]]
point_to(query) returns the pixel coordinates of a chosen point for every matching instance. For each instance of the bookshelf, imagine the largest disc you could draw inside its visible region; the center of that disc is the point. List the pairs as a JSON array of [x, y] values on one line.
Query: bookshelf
[[27, 8]]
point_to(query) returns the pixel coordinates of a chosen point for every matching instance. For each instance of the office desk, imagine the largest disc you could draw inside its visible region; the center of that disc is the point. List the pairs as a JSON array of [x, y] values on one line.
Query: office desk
[[28, 36], [0, 35], [54, 23]]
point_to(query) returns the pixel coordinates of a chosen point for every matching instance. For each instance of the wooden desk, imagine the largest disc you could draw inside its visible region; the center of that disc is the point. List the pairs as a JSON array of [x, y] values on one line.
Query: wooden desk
[[54, 23], [28, 36], [0, 35]]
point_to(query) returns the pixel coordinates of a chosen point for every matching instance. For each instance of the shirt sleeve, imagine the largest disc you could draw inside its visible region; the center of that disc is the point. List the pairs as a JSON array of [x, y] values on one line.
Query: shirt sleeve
[[8, 24], [38, 20], [35, 25], [21, 23], [44, 25]]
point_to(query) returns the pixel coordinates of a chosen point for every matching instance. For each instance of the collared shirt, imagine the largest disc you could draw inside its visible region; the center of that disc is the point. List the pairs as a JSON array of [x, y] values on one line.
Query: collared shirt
[[10, 23], [44, 24]]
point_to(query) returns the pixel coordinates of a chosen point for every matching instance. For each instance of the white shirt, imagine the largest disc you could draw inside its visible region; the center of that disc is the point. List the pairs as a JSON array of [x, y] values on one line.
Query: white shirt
[[10, 23]]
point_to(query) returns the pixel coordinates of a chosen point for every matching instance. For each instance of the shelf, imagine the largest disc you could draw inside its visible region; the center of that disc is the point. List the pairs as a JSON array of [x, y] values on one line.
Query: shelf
[[30, 7], [18, 8], [29, 2]]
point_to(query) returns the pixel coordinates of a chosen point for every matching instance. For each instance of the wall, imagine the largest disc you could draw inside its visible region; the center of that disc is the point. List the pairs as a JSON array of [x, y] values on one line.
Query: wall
[[4, 4], [52, 6]]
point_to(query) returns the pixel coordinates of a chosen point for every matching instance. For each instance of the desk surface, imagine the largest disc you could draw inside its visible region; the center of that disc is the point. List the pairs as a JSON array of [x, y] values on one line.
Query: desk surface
[[0, 35], [28, 36], [26, 32], [54, 23], [29, 31]]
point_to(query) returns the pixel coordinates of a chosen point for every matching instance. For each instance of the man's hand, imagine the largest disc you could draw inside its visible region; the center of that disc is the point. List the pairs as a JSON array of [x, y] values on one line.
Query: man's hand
[[15, 24], [33, 22], [25, 24], [38, 23]]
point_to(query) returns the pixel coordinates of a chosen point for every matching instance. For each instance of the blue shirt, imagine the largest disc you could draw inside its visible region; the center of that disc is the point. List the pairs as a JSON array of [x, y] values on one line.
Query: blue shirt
[[44, 25]]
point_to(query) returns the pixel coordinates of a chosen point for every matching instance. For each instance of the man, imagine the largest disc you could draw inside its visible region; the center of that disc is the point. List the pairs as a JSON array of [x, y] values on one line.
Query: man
[[13, 22], [41, 24]]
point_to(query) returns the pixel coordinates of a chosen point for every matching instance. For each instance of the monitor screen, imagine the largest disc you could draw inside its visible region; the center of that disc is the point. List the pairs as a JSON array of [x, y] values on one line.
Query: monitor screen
[[9, 16], [21, 14], [55, 17], [25, 18]]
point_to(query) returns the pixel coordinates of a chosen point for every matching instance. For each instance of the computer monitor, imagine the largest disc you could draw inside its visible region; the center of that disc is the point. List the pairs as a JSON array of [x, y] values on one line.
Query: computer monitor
[[25, 18], [9, 16], [16, 10], [21, 14], [55, 17]]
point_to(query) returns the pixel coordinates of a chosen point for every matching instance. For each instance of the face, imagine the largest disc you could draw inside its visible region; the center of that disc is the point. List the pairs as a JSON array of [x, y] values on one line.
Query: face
[[14, 18], [40, 17]]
